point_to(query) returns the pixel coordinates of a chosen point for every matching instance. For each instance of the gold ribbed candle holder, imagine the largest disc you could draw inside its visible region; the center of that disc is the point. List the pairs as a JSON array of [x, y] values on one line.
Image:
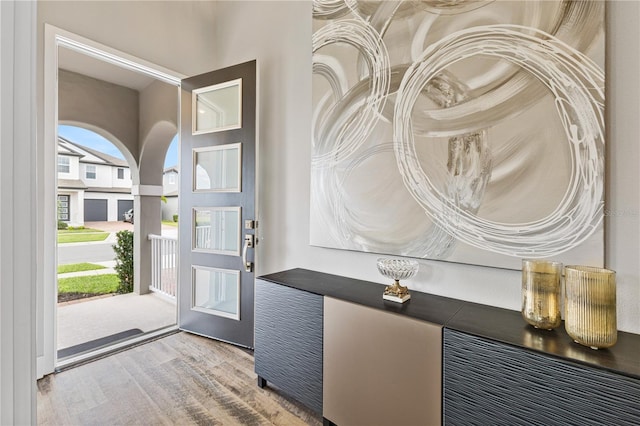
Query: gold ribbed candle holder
[[590, 306], [541, 293]]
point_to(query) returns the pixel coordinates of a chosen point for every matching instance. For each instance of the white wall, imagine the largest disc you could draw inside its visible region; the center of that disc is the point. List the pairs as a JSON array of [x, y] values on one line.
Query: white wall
[[622, 226], [125, 182], [177, 35], [17, 214], [278, 35], [74, 164], [93, 103], [169, 182], [169, 208], [105, 175]]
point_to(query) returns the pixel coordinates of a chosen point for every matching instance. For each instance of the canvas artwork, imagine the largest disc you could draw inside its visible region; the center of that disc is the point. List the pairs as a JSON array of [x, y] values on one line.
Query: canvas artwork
[[464, 131]]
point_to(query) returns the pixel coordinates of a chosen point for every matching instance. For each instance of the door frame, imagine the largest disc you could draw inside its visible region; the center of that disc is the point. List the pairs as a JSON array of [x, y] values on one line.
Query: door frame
[[47, 153]]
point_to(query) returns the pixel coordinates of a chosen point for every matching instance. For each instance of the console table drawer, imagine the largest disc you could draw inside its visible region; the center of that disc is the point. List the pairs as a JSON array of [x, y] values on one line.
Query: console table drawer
[[288, 341], [380, 368], [486, 382]]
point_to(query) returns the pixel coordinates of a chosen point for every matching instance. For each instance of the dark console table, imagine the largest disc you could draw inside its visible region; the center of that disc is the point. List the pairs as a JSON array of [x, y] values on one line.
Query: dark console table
[[335, 345]]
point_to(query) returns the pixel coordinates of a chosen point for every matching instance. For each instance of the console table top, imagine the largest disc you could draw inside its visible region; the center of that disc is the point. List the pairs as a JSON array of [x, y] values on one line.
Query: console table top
[[493, 323], [422, 306]]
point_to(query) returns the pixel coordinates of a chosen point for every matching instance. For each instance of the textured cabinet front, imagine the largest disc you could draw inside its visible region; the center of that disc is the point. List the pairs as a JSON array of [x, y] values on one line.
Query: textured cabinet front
[[486, 382], [288, 341], [380, 368]]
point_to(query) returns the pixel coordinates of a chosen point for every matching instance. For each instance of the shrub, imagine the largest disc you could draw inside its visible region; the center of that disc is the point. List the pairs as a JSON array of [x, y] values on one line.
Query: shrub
[[75, 228], [175, 217], [124, 261], [62, 225]]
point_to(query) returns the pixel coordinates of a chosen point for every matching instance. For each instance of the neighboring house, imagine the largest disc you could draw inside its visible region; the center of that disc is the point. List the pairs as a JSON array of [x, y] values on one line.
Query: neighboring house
[[170, 191], [92, 186]]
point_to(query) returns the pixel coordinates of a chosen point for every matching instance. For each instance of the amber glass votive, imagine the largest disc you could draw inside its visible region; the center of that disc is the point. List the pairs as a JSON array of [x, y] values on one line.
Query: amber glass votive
[[541, 293], [590, 306]]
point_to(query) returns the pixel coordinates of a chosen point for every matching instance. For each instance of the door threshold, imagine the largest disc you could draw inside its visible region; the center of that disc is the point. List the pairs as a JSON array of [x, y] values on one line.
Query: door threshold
[[248, 349], [95, 344], [119, 346]]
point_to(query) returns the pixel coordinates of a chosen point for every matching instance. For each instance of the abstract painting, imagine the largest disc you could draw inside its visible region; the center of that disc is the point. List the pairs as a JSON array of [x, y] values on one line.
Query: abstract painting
[[464, 131]]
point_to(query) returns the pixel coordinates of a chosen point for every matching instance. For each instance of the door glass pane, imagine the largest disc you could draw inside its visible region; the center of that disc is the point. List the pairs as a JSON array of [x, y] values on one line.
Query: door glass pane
[[217, 230], [218, 107], [217, 168], [216, 291]]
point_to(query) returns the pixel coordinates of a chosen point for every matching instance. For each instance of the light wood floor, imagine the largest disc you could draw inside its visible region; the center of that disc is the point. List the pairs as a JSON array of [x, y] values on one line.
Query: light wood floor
[[181, 379]]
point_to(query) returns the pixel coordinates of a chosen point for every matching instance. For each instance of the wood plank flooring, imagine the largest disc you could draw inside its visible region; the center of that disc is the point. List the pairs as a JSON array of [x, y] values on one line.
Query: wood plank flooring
[[181, 379]]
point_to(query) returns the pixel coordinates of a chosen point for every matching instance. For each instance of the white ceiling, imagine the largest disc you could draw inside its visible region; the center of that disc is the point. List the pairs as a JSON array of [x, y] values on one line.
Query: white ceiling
[[71, 60]]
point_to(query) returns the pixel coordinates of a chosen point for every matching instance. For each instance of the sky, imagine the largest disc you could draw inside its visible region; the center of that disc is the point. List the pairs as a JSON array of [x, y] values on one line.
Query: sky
[[93, 140]]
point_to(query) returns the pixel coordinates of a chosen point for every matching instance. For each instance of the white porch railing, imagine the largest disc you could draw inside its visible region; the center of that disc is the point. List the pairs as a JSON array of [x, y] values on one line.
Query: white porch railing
[[203, 236], [164, 265]]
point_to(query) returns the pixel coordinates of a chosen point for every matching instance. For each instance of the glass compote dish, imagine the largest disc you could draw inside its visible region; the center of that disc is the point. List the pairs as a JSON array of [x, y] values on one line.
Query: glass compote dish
[[397, 269]]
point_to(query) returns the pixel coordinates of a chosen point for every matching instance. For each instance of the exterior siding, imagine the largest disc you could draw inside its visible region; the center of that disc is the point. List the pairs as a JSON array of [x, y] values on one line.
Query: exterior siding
[[105, 185]]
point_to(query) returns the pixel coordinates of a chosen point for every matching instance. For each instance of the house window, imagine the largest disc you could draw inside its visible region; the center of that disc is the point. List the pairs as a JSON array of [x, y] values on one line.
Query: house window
[[172, 179], [120, 173], [90, 172], [63, 164], [63, 207]]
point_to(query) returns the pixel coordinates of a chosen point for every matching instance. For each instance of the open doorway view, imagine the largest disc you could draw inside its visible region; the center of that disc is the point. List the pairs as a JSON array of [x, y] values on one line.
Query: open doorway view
[[96, 303], [116, 242]]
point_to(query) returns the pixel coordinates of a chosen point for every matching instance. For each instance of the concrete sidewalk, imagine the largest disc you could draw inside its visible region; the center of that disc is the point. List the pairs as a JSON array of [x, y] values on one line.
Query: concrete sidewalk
[[109, 266], [109, 226], [114, 227]]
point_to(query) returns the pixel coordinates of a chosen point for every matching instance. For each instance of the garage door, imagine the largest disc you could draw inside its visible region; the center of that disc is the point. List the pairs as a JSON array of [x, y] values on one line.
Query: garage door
[[123, 206], [95, 210]]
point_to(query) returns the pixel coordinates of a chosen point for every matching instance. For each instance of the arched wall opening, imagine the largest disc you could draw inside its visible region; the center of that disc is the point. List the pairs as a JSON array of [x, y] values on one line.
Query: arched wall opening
[[109, 109], [148, 199], [95, 176], [126, 154], [154, 151]]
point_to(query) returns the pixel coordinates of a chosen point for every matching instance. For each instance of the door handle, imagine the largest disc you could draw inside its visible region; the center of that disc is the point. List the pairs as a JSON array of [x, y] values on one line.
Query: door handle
[[248, 243]]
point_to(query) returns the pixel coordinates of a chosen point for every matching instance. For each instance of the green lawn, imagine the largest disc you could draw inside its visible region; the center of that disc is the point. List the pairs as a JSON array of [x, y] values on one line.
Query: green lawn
[[170, 223], [77, 267], [81, 237], [92, 285]]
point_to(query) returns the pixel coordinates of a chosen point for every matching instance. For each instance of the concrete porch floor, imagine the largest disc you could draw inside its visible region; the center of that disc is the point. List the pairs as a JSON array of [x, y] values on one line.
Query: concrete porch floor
[[83, 321]]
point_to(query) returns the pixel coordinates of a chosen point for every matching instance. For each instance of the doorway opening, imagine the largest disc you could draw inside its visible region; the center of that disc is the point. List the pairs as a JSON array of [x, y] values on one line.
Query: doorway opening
[[109, 124], [95, 304], [87, 85]]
